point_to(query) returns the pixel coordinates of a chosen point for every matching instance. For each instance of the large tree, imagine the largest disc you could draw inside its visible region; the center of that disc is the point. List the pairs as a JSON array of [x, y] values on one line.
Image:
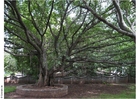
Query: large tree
[[47, 30]]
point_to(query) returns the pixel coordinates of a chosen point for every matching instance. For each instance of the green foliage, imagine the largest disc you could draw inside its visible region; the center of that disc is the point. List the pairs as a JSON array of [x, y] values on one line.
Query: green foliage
[[10, 64], [27, 65], [82, 36]]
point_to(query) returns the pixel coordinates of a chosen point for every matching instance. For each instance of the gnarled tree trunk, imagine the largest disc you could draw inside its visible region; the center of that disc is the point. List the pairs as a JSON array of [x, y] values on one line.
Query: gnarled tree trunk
[[44, 76]]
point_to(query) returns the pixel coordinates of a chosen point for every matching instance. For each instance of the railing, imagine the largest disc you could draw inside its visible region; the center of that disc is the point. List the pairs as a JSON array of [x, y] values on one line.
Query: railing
[[91, 79], [14, 79]]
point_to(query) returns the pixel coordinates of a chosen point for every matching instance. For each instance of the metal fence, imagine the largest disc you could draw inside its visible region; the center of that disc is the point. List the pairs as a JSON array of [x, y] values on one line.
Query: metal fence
[[14, 79], [91, 79]]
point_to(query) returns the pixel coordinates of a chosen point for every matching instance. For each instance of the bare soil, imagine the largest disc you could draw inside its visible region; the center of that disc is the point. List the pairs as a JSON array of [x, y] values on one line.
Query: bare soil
[[81, 91]]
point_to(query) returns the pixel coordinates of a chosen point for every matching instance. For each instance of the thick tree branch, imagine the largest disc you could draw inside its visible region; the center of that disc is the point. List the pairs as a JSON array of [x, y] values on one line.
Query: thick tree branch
[[130, 34], [61, 28], [86, 28], [15, 54], [11, 4], [48, 20], [8, 21], [78, 28], [16, 34], [10, 18], [51, 31], [118, 63], [33, 21], [120, 18], [97, 47], [27, 32], [17, 45]]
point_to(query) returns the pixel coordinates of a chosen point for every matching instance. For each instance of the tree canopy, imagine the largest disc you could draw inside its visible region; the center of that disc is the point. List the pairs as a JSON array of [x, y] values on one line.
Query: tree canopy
[[62, 34]]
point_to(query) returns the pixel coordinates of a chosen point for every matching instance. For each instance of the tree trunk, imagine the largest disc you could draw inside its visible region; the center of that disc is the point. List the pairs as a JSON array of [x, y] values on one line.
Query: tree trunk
[[44, 76], [44, 79]]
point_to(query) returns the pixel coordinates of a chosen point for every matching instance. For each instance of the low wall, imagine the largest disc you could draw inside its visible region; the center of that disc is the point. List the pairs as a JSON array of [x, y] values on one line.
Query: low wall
[[42, 93]]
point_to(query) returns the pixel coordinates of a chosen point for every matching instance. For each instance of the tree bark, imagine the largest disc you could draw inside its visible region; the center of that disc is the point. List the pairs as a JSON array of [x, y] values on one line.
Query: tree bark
[[44, 76], [44, 79]]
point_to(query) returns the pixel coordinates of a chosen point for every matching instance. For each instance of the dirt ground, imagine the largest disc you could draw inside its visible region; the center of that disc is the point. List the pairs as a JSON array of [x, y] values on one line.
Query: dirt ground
[[81, 91]]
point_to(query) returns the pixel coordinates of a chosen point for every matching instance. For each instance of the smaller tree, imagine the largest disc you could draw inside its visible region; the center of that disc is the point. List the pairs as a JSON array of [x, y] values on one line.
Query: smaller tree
[[10, 65]]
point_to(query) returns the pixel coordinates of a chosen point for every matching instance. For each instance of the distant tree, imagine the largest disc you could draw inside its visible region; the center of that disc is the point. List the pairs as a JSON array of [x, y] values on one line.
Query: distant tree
[[9, 63]]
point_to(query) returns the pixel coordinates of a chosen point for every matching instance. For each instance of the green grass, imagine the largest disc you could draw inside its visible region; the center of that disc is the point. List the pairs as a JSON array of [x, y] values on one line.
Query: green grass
[[127, 94], [8, 89]]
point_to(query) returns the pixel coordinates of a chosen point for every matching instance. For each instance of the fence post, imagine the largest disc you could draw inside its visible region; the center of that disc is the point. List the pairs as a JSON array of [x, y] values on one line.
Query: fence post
[[71, 80]]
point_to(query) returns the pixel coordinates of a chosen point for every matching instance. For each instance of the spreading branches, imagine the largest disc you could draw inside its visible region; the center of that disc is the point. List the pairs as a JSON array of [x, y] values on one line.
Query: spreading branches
[[47, 23], [63, 16], [33, 20], [122, 30], [16, 54], [120, 18], [23, 26], [60, 41]]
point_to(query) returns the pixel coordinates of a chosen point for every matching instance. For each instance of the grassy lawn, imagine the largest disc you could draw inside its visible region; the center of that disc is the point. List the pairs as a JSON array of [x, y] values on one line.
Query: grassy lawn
[[8, 89], [127, 94]]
